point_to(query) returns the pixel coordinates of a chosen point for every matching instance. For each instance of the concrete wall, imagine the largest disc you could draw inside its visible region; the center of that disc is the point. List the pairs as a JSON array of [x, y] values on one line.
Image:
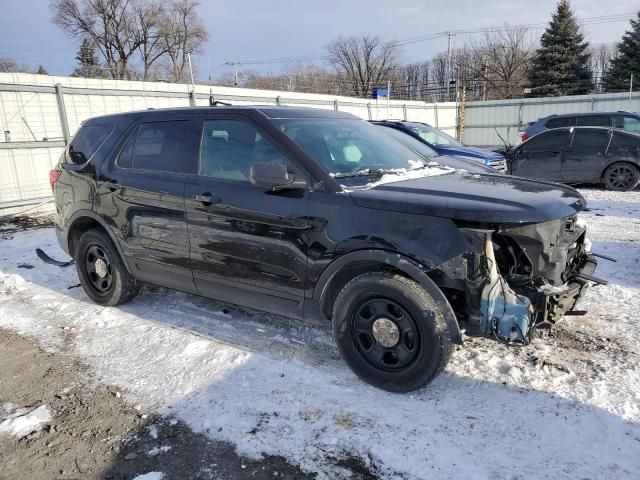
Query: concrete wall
[[38, 112]]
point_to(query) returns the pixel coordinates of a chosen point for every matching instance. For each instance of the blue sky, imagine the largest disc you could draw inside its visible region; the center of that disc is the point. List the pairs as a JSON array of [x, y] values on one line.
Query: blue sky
[[258, 29]]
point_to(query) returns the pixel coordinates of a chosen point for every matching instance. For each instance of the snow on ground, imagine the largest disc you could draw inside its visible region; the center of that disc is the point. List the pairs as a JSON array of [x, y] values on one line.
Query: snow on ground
[[24, 421], [566, 407]]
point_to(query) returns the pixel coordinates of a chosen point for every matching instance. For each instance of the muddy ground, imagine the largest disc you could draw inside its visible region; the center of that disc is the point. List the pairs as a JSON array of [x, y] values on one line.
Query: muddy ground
[[95, 434]]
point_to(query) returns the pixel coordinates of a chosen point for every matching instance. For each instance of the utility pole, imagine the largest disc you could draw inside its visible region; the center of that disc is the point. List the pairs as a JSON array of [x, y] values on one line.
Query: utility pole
[[236, 65], [630, 87], [449, 42]]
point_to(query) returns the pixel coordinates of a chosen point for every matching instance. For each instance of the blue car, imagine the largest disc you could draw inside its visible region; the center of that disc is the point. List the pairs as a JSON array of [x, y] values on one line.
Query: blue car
[[445, 144]]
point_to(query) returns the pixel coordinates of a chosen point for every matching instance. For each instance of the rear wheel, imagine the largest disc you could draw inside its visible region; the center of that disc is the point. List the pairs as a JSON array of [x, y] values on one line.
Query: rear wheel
[[390, 331], [621, 177], [102, 274]]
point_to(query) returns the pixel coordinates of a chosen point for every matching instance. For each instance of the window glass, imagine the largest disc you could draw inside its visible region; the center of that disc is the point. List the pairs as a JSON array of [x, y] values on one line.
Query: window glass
[[229, 147], [561, 122], [549, 140], [630, 124], [411, 142], [86, 142], [435, 136], [344, 146], [162, 147], [593, 121], [590, 139]]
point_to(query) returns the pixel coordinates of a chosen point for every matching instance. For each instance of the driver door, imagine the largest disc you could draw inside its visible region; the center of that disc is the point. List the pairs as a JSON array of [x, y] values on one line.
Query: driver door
[[248, 244]]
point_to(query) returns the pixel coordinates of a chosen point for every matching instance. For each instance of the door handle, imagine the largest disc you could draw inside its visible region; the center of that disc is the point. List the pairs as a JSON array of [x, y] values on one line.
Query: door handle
[[111, 185], [206, 199], [554, 154]]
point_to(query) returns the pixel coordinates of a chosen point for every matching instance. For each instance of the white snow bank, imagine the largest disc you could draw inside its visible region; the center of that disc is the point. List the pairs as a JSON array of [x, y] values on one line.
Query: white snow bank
[[23, 422]]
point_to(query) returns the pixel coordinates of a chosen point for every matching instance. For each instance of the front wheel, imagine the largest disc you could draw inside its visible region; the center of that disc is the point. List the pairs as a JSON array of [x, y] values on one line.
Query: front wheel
[[391, 331], [621, 177], [102, 274]]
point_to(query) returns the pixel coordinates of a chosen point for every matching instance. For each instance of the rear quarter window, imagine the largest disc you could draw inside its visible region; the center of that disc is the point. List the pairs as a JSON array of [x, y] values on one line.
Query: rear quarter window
[[594, 121], [85, 143], [561, 122]]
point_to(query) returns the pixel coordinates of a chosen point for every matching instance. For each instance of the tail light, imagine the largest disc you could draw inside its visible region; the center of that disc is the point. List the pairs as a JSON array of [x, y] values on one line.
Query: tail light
[[524, 137], [54, 175]]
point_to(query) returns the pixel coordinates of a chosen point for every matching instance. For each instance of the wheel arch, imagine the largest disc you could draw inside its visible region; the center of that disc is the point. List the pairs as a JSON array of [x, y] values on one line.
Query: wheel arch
[[339, 272], [84, 220]]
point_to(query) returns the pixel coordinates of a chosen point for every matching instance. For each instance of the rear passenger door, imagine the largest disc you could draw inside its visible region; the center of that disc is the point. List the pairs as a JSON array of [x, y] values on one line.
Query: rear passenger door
[[141, 196], [541, 156], [586, 156], [248, 244]]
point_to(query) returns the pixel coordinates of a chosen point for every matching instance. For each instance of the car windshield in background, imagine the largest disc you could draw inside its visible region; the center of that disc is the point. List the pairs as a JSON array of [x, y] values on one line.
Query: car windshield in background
[[345, 147], [435, 136], [408, 141]]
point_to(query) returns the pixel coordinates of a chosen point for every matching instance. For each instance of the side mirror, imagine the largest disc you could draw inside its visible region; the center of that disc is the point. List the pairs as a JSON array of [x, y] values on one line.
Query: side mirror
[[274, 176]]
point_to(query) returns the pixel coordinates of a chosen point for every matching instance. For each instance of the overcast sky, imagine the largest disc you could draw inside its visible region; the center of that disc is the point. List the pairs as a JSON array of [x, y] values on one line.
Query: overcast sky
[[266, 29]]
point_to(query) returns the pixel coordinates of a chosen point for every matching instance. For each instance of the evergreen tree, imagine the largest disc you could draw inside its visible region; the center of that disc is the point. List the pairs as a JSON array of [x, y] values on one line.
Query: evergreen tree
[[42, 71], [561, 64], [88, 64], [626, 62]]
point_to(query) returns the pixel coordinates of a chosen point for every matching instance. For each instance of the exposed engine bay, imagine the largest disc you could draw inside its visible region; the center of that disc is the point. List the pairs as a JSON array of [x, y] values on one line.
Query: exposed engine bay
[[519, 278]]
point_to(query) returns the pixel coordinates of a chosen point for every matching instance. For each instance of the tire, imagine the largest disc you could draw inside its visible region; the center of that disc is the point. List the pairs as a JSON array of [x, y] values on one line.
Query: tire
[[423, 343], [117, 286], [621, 177]]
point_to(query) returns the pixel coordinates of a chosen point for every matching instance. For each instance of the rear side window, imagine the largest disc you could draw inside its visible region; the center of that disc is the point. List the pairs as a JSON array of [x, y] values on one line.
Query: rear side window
[[593, 121], [561, 122], [590, 139], [551, 140], [163, 147], [86, 142], [624, 122]]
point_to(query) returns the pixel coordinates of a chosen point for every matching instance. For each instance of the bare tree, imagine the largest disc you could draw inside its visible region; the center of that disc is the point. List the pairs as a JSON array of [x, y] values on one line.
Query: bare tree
[[149, 17], [504, 60], [8, 65], [109, 23], [365, 62], [599, 60], [183, 34]]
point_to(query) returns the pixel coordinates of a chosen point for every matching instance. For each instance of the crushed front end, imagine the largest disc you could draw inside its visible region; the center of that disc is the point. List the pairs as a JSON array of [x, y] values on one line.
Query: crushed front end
[[520, 277]]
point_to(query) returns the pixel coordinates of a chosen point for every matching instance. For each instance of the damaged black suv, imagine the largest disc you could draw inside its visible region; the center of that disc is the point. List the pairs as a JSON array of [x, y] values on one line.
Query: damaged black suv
[[318, 215]]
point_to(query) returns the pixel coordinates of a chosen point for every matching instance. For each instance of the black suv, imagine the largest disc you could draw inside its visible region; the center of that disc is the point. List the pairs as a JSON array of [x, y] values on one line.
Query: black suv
[[313, 214], [627, 121]]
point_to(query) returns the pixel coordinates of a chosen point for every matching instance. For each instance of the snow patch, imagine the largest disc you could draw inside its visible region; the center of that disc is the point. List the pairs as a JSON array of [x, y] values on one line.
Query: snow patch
[[150, 476], [158, 450], [23, 422]]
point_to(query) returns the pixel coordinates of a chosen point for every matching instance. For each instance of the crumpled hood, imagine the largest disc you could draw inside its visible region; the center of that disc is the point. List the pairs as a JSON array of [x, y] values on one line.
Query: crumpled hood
[[475, 197], [470, 152]]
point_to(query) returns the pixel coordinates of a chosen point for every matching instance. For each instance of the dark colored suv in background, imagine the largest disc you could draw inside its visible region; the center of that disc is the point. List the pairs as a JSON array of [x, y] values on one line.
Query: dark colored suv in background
[[315, 215], [627, 121]]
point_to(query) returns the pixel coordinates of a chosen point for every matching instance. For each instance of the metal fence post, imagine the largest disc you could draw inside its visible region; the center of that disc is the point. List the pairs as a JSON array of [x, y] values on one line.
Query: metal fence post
[[192, 99], [335, 105], [62, 113], [369, 111], [404, 112], [435, 114]]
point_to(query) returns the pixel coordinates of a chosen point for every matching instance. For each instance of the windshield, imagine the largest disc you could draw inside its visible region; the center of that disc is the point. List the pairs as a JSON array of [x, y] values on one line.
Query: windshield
[[346, 146], [434, 136], [410, 142]]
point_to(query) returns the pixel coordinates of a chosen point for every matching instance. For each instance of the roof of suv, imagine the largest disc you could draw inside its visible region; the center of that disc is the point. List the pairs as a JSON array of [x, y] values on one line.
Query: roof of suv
[[270, 111], [588, 114]]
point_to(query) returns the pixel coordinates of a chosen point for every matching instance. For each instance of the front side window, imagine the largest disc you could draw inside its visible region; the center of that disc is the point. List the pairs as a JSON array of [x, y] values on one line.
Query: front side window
[[228, 148], [630, 124], [435, 136], [86, 142], [590, 139], [161, 146], [550, 140]]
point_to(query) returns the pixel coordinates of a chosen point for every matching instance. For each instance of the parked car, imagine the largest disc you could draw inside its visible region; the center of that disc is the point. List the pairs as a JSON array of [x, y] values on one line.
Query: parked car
[[577, 155], [315, 215], [432, 156], [445, 144], [627, 121]]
